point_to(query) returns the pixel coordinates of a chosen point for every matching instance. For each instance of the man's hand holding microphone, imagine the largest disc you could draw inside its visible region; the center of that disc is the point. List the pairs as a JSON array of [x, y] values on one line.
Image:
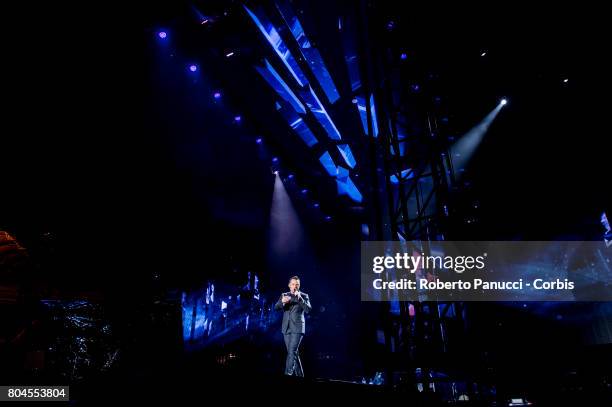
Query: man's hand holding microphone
[[287, 298]]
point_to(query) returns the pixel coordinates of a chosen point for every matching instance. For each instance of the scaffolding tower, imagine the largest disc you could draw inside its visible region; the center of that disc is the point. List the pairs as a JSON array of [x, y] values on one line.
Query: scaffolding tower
[[412, 179]]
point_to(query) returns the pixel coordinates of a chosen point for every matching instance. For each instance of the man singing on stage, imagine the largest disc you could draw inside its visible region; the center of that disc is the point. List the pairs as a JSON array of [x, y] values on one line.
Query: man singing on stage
[[294, 305]]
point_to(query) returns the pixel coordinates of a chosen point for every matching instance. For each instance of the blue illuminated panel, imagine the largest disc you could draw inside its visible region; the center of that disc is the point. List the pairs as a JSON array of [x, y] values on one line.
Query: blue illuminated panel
[[343, 180], [272, 36], [282, 89], [347, 154], [297, 124], [317, 109], [406, 174], [363, 113], [348, 188], [373, 113], [311, 54], [304, 132], [342, 172], [328, 163]]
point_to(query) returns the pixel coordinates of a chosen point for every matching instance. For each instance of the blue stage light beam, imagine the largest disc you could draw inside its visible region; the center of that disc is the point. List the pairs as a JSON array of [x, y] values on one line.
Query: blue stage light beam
[[286, 231], [288, 245], [463, 150]]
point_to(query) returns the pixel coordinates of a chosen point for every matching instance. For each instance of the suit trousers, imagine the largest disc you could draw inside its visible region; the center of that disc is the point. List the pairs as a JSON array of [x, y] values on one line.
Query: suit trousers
[[293, 365]]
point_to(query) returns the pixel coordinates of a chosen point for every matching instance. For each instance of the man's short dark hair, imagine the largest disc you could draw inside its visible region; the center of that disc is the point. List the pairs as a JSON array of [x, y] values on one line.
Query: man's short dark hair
[[294, 278]]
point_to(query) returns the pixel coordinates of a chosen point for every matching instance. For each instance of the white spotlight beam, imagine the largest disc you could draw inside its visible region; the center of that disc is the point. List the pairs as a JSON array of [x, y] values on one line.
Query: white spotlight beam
[[464, 148]]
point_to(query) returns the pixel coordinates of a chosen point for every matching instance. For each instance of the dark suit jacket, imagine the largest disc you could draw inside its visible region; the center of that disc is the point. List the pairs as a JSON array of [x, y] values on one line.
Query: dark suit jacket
[[293, 313]]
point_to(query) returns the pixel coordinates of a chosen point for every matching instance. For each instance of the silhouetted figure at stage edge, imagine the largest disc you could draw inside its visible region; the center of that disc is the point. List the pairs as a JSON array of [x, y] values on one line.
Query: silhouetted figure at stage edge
[[294, 305]]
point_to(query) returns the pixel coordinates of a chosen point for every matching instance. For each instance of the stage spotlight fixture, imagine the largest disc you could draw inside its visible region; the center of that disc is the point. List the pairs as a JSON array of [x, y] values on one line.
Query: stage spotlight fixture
[[316, 205], [565, 80], [237, 119], [403, 56], [162, 34], [276, 172], [275, 159], [217, 95], [290, 176], [328, 218], [304, 191], [504, 102], [484, 53], [193, 68], [229, 54], [259, 140]]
